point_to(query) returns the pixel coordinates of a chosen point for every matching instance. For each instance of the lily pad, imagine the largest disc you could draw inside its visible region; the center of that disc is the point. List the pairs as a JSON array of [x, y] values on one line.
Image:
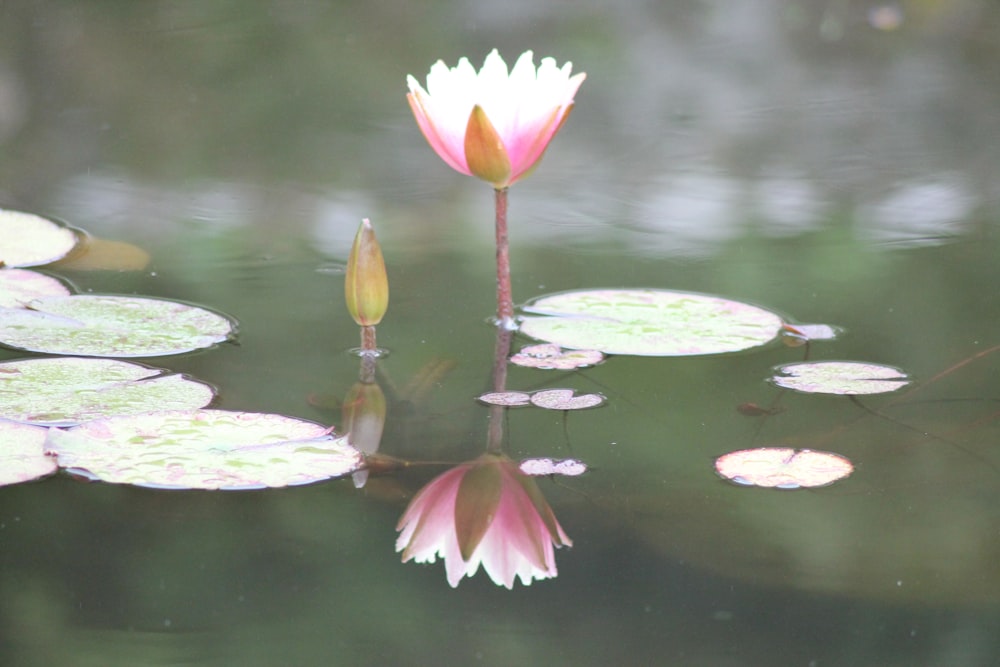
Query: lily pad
[[19, 286], [65, 391], [563, 399], [847, 378], [27, 239], [783, 467], [649, 322], [549, 356], [510, 399], [93, 325], [22, 453], [546, 466], [204, 449], [794, 335]]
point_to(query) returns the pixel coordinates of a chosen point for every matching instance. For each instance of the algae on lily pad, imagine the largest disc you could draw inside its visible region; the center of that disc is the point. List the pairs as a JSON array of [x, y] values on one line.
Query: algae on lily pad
[[20, 286], [22, 453], [65, 391], [93, 325], [649, 322], [846, 378], [27, 239], [204, 449]]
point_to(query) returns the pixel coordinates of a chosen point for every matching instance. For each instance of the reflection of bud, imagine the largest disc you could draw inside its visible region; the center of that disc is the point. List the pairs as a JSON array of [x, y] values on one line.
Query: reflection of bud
[[363, 419], [485, 511], [366, 286]]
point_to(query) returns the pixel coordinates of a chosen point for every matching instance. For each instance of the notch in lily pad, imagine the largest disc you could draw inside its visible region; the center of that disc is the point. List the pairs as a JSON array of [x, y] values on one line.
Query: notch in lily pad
[[783, 467], [549, 356], [101, 325], [204, 449], [649, 322], [844, 378]]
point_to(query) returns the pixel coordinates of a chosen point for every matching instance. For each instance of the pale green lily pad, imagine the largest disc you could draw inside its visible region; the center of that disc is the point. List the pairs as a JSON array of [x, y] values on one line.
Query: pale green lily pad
[[783, 467], [93, 325], [22, 453], [563, 399], [649, 322], [846, 378], [19, 286], [204, 449], [27, 239], [65, 391]]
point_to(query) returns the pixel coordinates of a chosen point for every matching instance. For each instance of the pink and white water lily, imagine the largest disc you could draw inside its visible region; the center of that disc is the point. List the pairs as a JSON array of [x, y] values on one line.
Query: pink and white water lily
[[494, 124], [485, 512]]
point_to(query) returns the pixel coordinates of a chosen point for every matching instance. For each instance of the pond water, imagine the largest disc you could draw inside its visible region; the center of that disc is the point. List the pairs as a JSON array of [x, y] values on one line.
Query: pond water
[[834, 162]]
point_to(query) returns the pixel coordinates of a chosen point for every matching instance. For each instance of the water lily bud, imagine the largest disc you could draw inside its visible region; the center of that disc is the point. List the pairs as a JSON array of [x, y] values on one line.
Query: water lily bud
[[366, 286]]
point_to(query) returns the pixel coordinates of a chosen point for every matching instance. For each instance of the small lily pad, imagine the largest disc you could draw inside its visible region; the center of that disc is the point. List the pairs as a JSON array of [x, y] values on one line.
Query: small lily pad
[[27, 239], [794, 335], [846, 378], [546, 466], [549, 356], [93, 325], [510, 399], [65, 391], [563, 399], [106, 255], [22, 453], [19, 286], [204, 449], [649, 322], [783, 467]]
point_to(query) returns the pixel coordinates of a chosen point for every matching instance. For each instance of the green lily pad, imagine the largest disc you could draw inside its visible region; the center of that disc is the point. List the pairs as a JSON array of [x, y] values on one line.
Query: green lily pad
[[27, 239], [563, 399], [783, 467], [551, 357], [65, 391], [509, 399], [649, 322], [203, 449], [848, 378], [93, 325], [19, 286], [547, 466], [22, 453]]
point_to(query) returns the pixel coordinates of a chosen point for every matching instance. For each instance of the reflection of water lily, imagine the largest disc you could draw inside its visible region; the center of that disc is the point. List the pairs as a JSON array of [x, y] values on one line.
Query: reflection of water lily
[[485, 511], [492, 124]]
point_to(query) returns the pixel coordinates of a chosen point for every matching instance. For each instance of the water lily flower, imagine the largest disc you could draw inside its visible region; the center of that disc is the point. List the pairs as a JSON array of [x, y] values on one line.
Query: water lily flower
[[493, 124], [483, 512]]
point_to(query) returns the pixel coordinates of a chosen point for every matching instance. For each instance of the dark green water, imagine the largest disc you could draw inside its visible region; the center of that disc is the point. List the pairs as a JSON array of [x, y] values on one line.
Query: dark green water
[[787, 154]]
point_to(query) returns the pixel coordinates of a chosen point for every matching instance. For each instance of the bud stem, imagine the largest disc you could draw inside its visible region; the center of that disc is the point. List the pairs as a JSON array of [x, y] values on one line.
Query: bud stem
[[368, 339]]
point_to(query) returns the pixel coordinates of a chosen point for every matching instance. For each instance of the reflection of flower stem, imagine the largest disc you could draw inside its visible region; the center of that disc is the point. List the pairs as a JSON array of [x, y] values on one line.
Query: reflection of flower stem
[[494, 436], [505, 299]]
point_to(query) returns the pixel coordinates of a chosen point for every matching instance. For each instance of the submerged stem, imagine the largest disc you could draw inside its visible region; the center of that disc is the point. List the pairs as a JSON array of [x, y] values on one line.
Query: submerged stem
[[505, 300]]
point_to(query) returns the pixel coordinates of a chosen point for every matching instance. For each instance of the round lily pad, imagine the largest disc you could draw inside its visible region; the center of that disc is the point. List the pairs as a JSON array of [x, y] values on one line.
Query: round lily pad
[[65, 391], [27, 239], [22, 453], [549, 356], [649, 322], [93, 325], [783, 467], [546, 466], [510, 399], [794, 335], [840, 377], [204, 449], [19, 286], [563, 399]]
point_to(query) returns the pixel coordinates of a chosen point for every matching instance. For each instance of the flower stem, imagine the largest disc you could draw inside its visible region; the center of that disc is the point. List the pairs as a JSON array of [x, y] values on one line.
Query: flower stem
[[505, 301], [494, 436], [368, 339]]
